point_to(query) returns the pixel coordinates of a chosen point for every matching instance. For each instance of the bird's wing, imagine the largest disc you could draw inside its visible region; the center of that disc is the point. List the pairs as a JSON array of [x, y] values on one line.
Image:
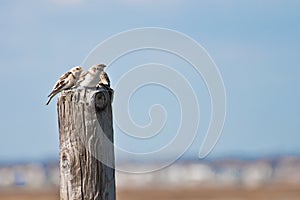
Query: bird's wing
[[65, 76], [82, 77], [63, 81]]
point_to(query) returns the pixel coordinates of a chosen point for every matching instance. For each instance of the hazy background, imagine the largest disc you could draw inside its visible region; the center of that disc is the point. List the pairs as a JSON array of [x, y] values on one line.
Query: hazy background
[[255, 45]]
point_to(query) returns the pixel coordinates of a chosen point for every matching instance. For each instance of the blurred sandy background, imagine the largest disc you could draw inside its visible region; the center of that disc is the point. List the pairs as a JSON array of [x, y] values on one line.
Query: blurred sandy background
[[220, 179]]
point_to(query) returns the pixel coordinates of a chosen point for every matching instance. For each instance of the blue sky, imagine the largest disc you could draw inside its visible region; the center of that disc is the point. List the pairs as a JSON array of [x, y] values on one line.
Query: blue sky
[[255, 45]]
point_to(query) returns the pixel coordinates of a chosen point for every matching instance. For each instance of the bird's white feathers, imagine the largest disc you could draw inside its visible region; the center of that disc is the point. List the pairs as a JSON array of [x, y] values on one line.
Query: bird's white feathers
[[76, 77], [66, 81], [91, 77]]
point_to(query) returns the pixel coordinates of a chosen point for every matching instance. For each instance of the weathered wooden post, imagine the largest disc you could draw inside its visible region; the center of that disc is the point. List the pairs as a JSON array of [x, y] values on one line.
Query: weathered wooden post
[[86, 143]]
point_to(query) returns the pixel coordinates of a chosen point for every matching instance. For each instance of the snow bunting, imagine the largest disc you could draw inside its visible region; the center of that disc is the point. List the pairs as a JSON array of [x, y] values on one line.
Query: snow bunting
[[104, 80], [66, 81], [91, 77]]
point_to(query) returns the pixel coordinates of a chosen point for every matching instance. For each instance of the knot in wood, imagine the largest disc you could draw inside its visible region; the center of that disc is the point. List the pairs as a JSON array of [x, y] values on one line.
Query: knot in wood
[[101, 99], [65, 162]]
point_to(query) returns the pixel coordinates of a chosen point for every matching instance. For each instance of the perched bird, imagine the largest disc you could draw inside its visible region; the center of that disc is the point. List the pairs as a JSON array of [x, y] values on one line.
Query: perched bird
[[104, 80], [91, 77], [65, 82]]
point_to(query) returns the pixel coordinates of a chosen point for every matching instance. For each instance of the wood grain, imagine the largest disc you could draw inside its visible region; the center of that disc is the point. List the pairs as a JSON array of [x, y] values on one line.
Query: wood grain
[[86, 139]]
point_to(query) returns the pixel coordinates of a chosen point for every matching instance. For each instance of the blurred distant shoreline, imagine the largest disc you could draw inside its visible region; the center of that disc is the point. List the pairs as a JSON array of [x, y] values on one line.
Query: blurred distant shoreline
[[207, 173]]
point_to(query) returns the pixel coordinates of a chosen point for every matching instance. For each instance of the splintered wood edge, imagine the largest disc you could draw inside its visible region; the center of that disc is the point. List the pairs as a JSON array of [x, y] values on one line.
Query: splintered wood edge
[[100, 96]]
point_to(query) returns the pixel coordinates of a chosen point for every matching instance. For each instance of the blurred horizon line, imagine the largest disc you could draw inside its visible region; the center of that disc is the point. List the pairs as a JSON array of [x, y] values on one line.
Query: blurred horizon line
[[245, 157]]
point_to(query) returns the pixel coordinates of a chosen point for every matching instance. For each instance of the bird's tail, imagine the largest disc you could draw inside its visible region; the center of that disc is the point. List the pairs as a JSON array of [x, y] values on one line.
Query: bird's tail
[[49, 99]]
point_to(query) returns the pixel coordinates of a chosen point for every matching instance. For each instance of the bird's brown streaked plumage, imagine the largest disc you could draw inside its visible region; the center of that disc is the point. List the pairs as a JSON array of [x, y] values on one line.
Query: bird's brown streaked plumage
[[105, 82], [61, 83], [104, 79], [66, 81]]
